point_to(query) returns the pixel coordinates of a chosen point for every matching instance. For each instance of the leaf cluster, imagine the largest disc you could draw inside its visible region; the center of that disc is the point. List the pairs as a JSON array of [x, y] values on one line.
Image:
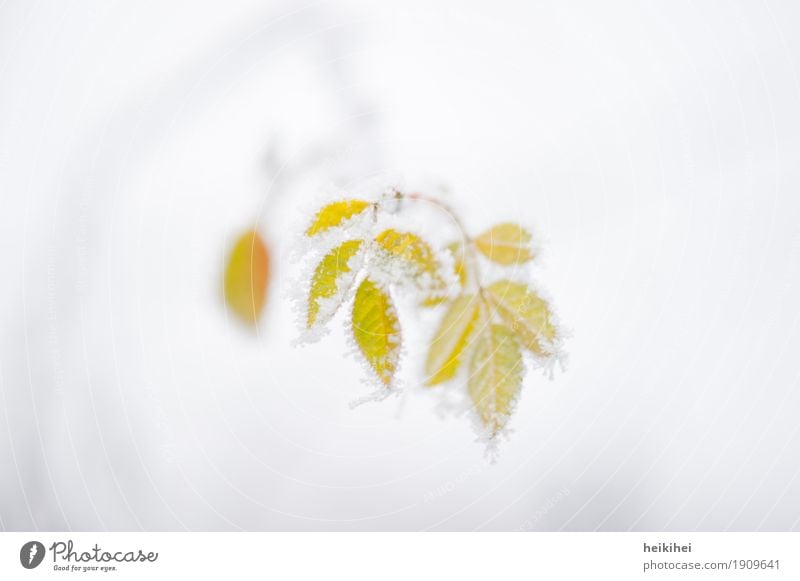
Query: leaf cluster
[[485, 328]]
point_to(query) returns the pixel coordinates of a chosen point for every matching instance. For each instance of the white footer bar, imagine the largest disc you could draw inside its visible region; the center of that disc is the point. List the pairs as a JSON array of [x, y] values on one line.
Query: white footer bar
[[400, 556]]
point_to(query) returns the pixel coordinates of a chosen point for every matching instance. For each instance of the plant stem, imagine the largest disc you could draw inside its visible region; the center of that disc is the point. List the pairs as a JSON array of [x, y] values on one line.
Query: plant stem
[[468, 246]]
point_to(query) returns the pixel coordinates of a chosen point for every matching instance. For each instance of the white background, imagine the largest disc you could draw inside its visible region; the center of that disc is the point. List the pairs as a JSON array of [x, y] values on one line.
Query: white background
[[653, 146]]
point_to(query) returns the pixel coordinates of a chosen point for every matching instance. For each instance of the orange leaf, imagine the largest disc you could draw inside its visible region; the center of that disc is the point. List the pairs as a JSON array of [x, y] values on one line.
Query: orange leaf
[[247, 276]]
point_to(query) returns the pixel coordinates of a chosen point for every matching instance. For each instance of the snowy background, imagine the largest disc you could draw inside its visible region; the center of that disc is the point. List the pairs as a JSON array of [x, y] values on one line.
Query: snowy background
[[654, 146]]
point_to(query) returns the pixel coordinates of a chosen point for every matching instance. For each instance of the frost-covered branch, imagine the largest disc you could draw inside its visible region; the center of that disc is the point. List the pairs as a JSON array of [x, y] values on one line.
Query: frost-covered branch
[[485, 328]]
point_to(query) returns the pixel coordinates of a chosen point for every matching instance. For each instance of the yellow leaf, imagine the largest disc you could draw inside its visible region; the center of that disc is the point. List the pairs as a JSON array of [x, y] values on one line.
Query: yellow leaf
[[447, 346], [376, 329], [416, 253], [409, 247], [439, 295], [246, 276], [506, 244], [335, 214], [433, 300], [526, 313], [495, 376], [333, 275], [459, 261]]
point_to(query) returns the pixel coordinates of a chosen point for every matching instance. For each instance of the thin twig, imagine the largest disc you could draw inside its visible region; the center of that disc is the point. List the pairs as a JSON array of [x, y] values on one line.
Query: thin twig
[[469, 246]]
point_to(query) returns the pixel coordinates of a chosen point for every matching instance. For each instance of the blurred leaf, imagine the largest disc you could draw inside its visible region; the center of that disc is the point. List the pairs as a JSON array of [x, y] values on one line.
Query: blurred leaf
[[459, 261], [526, 313], [247, 276], [505, 244], [377, 330], [447, 346], [335, 214], [434, 300], [495, 376], [333, 275]]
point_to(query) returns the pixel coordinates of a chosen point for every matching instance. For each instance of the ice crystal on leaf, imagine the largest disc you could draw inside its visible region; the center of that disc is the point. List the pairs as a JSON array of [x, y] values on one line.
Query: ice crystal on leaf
[[416, 257], [376, 329], [526, 313], [334, 214], [456, 249], [332, 278], [495, 376]]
